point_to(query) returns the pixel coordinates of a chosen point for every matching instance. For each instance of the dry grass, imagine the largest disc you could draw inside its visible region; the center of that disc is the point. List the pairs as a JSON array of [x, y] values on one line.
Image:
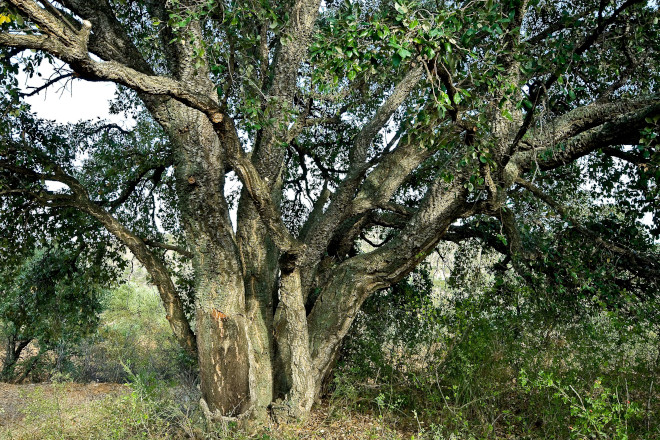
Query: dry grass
[[31, 411], [114, 411]]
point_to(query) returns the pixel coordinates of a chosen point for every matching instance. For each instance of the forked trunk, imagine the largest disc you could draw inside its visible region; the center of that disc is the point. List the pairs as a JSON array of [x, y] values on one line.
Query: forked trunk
[[14, 348], [252, 363]]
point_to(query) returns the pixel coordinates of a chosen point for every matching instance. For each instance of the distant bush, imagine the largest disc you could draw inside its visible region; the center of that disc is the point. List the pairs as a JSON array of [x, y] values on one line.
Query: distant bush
[[48, 300], [133, 332]]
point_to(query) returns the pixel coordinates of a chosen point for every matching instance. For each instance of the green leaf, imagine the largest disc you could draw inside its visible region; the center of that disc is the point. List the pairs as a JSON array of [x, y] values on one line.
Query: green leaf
[[403, 53]]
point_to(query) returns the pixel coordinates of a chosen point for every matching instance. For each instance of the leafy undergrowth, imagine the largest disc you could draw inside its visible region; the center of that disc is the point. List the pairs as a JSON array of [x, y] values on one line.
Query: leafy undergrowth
[[145, 409]]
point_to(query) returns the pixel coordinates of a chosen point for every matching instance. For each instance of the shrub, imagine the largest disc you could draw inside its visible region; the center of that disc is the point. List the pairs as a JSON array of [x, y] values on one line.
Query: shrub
[[49, 300]]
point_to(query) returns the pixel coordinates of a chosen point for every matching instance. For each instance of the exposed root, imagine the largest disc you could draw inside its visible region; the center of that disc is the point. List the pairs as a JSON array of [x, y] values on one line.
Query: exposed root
[[216, 416]]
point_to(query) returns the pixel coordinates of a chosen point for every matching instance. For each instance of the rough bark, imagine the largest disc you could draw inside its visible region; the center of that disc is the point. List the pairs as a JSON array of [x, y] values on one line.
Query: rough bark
[[292, 342]]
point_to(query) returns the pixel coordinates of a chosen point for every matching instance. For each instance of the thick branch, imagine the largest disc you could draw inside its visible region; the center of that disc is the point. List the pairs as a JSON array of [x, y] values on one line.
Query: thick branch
[[292, 48], [356, 278], [584, 118], [321, 233], [257, 187], [51, 25], [616, 129], [113, 71], [169, 247], [365, 137], [109, 40]]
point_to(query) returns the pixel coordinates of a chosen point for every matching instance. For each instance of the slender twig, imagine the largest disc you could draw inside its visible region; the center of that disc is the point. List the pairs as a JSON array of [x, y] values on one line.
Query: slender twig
[[37, 90]]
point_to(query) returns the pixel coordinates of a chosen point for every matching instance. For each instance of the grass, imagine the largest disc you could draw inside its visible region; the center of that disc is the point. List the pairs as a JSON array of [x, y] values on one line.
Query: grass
[[133, 332]]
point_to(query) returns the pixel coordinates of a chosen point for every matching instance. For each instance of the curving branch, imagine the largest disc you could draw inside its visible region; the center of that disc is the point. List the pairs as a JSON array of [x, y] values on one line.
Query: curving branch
[[581, 132], [635, 261], [73, 50], [539, 89], [132, 184], [50, 82], [77, 57], [584, 118]]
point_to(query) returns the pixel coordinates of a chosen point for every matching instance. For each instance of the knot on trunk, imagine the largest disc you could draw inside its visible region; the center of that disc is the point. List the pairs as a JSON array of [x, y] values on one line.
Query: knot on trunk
[[289, 260]]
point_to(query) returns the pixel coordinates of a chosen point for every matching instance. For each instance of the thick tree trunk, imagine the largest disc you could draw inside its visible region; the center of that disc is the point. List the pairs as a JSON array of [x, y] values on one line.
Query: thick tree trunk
[[222, 324], [223, 358], [259, 256], [292, 341]]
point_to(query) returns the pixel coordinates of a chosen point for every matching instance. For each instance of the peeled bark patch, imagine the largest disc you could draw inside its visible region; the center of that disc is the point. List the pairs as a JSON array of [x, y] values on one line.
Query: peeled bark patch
[[224, 366]]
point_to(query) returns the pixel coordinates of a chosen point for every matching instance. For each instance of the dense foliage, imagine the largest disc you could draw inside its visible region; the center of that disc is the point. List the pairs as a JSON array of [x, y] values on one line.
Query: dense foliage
[[49, 300], [484, 355]]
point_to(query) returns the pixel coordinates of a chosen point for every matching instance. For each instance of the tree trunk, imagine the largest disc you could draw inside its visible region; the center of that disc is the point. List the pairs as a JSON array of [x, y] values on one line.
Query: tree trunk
[[259, 256], [292, 341], [13, 352]]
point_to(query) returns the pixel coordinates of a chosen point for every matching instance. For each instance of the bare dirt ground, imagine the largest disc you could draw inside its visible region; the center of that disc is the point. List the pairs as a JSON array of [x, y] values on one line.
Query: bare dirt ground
[[325, 424]]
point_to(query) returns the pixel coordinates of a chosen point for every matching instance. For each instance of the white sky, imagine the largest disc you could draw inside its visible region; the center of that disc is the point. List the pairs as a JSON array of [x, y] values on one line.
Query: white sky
[[79, 100]]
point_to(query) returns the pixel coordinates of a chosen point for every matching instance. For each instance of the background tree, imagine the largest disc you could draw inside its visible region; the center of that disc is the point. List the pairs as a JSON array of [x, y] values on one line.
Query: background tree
[[48, 300], [338, 121]]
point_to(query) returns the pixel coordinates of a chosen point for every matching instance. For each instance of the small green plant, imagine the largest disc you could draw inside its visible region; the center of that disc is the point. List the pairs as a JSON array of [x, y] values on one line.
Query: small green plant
[[599, 412]]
